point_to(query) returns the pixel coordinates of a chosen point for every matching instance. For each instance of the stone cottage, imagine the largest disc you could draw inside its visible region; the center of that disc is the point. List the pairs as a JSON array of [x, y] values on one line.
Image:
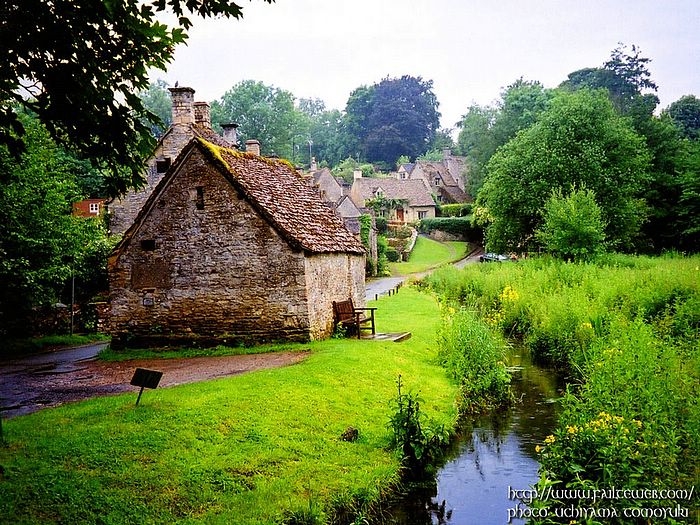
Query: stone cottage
[[419, 201], [231, 246], [444, 178], [189, 119]]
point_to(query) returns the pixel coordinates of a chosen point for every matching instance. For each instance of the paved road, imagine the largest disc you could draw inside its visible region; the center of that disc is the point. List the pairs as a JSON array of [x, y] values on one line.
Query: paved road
[[378, 287], [18, 375]]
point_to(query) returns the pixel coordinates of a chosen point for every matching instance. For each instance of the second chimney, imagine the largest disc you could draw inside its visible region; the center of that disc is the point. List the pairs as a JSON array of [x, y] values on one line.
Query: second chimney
[[230, 134], [183, 112], [252, 146], [356, 174], [202, 115]]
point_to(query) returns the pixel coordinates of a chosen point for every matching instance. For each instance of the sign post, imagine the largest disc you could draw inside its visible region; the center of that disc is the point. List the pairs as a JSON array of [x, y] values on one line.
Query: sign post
[[145, 378]]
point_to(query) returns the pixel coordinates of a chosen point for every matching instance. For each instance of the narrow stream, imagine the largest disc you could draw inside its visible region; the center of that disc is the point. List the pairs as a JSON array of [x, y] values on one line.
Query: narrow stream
[[493, 453]]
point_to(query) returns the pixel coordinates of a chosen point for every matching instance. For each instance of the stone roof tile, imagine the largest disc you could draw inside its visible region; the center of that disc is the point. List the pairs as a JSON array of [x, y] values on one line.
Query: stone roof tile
[[293, 208], [413, 190]]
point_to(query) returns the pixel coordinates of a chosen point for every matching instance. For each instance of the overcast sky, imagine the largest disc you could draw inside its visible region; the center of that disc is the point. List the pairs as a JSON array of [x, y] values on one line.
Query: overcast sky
[[470, 49]]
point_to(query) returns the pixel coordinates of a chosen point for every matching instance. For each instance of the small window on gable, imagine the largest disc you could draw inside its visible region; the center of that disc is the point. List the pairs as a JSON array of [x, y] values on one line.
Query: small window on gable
[[437, 181], [148, 245], [94, 208], [200, 198], [162, 165]]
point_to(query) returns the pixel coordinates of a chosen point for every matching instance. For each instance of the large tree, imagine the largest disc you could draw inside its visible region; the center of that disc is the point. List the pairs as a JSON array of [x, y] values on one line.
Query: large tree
[[578, 141], [265, 113], [484, 129], [397, 116], [79, 66], [41, 243]]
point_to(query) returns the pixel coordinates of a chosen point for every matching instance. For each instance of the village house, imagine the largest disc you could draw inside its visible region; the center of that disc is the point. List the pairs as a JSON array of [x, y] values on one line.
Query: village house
[[189, 119], [89, 207], [232, 246], [332, 192], [419, 203], [443, 178]]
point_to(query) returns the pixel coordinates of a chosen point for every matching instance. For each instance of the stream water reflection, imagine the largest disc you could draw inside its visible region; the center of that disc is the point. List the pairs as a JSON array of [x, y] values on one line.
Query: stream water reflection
[[493, 453]]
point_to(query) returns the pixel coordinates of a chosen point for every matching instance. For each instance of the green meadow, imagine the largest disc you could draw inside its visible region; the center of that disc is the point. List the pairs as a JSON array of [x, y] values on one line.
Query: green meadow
[[428, 254], [258, 448]]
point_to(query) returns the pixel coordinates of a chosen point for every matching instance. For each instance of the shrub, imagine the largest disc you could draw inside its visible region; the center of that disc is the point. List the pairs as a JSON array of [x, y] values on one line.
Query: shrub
[[474, 355], [573, 225], [455, 210], [392, 254], [462, 226], [419, 440], [381, 223]]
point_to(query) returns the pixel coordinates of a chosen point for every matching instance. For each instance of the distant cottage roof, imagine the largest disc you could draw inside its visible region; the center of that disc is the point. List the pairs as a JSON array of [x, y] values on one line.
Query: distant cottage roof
[[414, 191], [276, 191]]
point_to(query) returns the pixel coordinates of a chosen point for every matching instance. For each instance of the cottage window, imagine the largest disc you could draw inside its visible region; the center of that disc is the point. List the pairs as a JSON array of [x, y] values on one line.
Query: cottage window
[[94, 208], [200, 197], [437, 181], [148, 245], [422, 214], [162, 165]]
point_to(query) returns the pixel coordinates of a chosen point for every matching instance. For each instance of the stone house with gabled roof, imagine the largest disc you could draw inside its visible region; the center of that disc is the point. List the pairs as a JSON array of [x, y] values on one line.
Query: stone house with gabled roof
[[189, 119], [443, 178], [231, 246], [419, 201]]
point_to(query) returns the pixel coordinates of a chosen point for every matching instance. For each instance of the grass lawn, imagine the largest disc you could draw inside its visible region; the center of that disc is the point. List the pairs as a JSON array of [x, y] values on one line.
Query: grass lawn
[[250, 449], [428, 254]]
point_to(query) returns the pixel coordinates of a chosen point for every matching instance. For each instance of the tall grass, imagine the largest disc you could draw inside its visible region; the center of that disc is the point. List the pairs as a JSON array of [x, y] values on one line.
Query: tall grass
[[626, 331]]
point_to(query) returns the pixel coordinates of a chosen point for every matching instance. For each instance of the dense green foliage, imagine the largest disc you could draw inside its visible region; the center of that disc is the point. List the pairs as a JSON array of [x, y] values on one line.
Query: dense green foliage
[[474, 355], [462, 226], [685, 112], [397, 116], [156, 99], [78, 68], [264, 113], [579, 140], [455, 210], [573, 227], [248, 449], [484, 129], [41, 244], [626, 330]]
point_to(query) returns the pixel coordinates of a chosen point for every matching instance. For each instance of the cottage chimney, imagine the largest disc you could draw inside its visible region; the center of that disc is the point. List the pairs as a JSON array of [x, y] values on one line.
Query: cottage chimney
[[252, 146], [183, 111], [314, 165], [356, 174], [446, 154], [230, 133], [202, 115]]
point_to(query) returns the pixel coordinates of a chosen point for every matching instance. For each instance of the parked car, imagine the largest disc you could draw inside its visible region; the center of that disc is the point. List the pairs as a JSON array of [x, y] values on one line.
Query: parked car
[[493, 257]]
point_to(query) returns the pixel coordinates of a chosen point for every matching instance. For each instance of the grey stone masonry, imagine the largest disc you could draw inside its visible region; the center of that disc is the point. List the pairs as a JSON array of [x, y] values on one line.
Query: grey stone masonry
[[206, 263]]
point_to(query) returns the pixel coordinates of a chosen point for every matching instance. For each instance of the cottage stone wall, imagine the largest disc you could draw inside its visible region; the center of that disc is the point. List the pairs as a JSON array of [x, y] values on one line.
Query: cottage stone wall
[[123, 211], [332, 277], [204, 266]]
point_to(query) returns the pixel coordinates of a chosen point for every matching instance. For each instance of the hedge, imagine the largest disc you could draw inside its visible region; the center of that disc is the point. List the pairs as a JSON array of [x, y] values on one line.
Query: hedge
[[453, 225]]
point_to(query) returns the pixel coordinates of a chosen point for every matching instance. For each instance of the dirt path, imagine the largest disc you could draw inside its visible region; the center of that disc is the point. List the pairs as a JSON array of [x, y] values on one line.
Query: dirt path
[[27, 389]]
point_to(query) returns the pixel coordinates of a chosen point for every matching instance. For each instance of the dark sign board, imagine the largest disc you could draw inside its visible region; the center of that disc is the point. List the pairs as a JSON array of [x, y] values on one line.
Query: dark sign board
[[146, 378]]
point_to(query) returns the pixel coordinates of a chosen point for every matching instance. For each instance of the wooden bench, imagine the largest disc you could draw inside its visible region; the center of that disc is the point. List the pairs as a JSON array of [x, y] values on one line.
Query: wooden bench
[[353, 319]]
